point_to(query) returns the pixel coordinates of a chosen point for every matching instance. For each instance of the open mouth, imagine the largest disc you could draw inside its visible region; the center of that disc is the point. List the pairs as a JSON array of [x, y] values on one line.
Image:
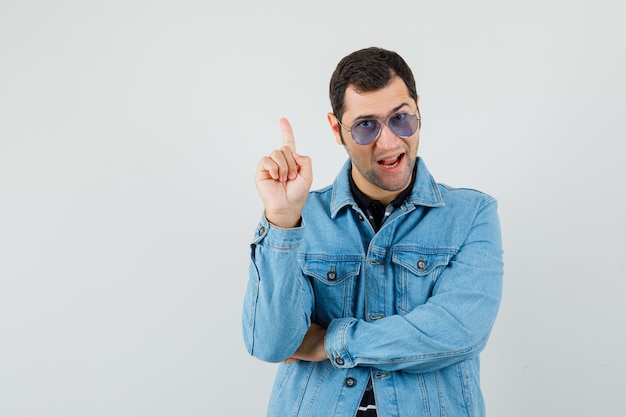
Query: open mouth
[[391, 162]]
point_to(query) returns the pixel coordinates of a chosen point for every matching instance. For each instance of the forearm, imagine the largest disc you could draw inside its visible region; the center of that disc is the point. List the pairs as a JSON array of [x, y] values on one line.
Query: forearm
[[430, 337], [277, 304]]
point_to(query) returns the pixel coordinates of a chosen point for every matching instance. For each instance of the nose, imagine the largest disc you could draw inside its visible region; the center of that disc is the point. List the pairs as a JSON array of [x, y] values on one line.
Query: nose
[[387, 139]]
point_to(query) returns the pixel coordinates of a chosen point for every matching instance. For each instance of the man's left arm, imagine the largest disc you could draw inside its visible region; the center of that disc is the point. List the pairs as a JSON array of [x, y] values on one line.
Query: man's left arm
[[453, 325]]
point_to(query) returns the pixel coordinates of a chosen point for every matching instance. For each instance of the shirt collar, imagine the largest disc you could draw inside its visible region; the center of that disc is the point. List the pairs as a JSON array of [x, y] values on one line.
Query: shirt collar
[[425, 191]]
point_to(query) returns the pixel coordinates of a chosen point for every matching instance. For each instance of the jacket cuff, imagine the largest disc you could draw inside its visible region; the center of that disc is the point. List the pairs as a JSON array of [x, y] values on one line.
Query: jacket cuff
[[278, 237], [335, 343]]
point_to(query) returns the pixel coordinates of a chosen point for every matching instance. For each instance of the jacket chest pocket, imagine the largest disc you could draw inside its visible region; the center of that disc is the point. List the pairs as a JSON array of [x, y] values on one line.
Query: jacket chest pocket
[[415, 274], [333, 283]]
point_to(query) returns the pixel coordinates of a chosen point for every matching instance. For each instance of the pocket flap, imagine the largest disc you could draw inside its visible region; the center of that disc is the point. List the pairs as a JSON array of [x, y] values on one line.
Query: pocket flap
[[420, 263], [331, 272]]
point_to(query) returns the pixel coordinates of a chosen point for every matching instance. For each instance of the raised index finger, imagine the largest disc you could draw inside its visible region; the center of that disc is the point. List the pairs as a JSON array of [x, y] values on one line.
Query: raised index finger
[[288, 139]]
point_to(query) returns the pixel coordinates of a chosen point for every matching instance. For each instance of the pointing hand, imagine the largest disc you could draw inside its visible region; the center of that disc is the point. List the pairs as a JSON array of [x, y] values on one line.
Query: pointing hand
[[283, 180]]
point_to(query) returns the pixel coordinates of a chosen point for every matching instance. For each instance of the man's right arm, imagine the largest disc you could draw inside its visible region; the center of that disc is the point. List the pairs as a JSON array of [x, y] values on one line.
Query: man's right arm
[[278, 301]]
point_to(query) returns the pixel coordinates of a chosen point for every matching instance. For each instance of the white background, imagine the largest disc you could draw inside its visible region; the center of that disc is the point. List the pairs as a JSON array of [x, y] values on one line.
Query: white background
[[129, 134]]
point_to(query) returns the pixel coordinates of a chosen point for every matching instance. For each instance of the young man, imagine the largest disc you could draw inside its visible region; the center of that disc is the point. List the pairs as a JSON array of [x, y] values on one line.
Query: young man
[[376, 293]]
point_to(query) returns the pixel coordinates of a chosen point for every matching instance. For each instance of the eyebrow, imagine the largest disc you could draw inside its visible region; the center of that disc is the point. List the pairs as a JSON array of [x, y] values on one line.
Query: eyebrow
[[373, 116]]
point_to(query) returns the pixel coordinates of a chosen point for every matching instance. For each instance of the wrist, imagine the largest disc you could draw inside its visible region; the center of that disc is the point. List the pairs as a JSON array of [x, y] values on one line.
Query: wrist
[[284, 221]]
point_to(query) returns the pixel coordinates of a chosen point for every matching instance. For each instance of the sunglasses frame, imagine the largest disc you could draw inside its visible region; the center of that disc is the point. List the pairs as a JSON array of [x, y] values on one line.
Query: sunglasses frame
[[380, 129]]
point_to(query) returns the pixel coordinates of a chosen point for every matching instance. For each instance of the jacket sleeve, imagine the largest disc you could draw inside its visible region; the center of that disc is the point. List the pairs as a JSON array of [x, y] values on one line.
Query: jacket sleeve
[[278, 300], [452, 326]]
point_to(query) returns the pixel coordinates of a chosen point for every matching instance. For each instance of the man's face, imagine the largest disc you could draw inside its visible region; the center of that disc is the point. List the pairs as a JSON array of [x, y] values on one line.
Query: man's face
[[383, 168]]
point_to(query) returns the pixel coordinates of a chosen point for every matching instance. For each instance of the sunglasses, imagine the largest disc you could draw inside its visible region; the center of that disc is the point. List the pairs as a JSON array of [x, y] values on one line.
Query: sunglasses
[[366, 131]]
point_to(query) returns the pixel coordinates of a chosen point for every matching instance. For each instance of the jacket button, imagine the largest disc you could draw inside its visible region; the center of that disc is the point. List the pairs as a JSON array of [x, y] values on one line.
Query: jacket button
[[421, 265], [331, 275], [350, 382], [261, 230], [339, 361]]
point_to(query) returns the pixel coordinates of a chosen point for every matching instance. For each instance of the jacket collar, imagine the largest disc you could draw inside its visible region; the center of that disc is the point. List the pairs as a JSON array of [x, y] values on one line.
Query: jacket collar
[[425, 190]]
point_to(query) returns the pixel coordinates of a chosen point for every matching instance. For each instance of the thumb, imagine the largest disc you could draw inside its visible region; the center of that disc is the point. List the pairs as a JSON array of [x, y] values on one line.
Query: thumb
[[305, 166]]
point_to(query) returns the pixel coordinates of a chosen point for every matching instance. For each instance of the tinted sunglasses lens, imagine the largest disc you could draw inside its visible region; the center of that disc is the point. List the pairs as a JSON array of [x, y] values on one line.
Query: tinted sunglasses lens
[[365, 131], [404, 125]]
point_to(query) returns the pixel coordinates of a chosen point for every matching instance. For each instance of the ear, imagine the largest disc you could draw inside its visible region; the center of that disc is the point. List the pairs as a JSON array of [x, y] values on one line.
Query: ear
[[334, 126]]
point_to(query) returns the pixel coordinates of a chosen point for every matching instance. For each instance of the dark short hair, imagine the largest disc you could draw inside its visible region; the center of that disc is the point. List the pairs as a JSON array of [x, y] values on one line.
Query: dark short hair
[[366, 70]]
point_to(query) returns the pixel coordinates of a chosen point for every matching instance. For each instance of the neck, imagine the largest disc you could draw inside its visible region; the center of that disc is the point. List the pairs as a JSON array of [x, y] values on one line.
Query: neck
[[376, 193]]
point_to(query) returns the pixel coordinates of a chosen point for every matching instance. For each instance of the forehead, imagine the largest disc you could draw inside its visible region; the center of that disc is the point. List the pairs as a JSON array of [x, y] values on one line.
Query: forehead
[[376, 103]]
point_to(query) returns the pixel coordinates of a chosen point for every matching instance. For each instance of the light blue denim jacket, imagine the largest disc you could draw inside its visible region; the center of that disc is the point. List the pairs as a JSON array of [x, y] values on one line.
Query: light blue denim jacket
[[410, 307]]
